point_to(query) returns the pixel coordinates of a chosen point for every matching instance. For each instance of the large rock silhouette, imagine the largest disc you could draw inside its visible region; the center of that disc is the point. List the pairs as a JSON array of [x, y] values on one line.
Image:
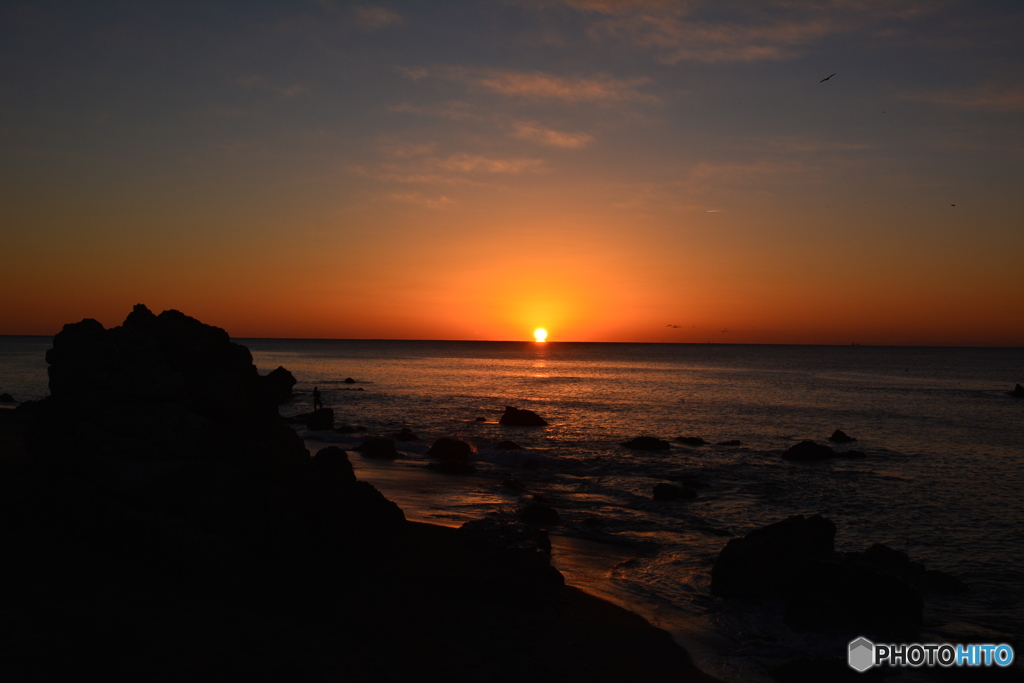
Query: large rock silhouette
[[168, 411], [795, 560]]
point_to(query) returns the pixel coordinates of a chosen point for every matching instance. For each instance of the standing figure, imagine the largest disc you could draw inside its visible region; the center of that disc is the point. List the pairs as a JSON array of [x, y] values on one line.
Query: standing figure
[[317, 402]]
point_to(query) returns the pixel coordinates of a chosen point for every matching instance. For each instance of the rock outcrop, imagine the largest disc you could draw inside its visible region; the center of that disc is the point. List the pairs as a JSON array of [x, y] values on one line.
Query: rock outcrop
[[808, 450], [167, 414], [1018, 391], [795, 560], [279, 383], [446, 449], [691, 441], [521, 418], [839, 436]]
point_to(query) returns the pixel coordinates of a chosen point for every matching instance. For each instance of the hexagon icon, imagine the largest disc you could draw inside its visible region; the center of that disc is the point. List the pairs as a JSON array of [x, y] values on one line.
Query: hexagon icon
[[861, 654]]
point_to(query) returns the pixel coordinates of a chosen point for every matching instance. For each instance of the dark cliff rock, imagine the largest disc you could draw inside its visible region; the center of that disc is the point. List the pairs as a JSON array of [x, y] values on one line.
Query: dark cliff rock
[[279, 384]]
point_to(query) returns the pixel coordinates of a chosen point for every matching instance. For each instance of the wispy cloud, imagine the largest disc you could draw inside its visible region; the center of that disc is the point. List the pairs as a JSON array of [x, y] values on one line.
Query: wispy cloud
[[373, 18], [439, 202], [985, 97], [553, 138], [539, 85], [469, 163], [458, 169], [742, 32], [544, 86]]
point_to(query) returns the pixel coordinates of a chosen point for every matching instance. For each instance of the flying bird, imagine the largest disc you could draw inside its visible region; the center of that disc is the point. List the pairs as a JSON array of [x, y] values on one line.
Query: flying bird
[[825, 79]]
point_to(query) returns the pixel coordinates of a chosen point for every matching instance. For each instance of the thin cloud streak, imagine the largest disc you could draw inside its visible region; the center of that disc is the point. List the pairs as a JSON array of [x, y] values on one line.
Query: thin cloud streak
[[986, 97], [553, 138], [539, 85]]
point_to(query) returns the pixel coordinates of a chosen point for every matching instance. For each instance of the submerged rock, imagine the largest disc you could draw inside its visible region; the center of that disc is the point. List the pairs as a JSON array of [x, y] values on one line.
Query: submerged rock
[[377, 447], [730, 442], [808, 450], [509, 446], [691, 440], [521, 418], [647, 443], [839, 436], [513, 484], [450, 449]]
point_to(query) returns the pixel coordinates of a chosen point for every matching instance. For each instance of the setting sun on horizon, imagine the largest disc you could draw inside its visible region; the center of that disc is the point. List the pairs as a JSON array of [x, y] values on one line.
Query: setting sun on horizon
[[635, 172], [540, 334]]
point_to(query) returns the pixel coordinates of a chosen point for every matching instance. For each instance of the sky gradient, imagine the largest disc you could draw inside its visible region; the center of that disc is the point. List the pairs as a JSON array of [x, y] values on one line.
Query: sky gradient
[[610, 171]]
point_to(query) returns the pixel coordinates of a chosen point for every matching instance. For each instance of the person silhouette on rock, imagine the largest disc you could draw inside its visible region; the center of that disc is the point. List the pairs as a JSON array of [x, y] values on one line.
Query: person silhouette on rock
[[318, 404]]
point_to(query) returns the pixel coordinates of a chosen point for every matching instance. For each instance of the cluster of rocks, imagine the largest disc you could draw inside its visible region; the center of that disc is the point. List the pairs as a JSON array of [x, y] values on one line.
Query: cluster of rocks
[[875, 592]]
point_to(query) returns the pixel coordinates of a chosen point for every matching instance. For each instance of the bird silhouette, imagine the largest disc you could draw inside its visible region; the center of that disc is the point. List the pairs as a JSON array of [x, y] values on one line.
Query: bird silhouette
[[826, 78]]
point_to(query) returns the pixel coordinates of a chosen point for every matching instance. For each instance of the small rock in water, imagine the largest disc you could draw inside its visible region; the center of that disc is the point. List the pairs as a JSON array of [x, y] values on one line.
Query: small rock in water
[[1018, 391], [691, 440], [509, 446], [7, 398], [481, 419], [808, 450], [854, 454], [647, 443], [377, 447], [731, 442], [450, 449], [672, 492], [349, 380], [521, 418], [513, 484], [839, 436]]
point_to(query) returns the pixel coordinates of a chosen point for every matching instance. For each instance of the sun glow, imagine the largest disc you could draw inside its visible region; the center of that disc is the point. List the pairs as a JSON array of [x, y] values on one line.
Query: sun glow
[[540, 334]]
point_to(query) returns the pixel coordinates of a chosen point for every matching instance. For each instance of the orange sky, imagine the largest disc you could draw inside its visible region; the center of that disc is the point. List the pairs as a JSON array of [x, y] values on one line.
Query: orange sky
[[611, 172]]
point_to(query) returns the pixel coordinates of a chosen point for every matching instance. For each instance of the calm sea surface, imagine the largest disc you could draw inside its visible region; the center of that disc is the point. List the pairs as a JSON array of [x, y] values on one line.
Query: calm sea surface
[[942, 479]]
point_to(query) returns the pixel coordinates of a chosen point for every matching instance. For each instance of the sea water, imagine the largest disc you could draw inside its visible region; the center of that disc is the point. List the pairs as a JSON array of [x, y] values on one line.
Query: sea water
[[941, 480]]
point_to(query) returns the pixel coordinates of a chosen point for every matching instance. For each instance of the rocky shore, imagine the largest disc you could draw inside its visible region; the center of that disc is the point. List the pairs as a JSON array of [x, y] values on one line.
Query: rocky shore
[[162, 522]]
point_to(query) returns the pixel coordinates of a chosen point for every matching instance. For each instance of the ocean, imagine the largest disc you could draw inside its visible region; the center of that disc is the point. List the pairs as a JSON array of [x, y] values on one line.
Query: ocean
[[941, 480]]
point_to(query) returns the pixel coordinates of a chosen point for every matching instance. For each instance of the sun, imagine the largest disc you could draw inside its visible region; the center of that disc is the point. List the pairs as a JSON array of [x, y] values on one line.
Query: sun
[[540, 334]]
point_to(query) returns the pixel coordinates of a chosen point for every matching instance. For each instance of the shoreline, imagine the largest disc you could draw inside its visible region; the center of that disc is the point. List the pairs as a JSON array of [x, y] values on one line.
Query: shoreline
[[585, 563]]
